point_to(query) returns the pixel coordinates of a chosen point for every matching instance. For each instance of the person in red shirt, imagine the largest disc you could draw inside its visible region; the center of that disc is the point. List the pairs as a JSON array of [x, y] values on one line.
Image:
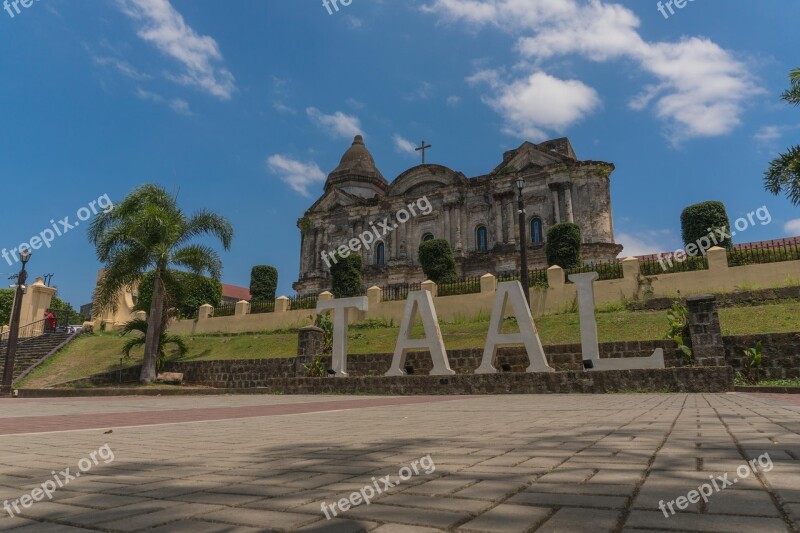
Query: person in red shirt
[[51, 320]]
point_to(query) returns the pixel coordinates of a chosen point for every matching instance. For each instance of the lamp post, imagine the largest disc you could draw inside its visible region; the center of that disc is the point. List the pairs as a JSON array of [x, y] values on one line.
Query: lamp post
[[13, 333], [523, 244]]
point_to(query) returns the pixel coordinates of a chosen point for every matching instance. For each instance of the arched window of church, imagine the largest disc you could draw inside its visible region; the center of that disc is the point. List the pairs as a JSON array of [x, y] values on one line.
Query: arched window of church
[[481, 238], [427, 237], [536, 231], [380, 254]]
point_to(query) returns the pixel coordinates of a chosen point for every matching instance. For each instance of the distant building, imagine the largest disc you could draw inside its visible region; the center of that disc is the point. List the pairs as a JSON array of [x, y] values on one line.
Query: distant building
[[86, 311], [232, 294], [478, 215]]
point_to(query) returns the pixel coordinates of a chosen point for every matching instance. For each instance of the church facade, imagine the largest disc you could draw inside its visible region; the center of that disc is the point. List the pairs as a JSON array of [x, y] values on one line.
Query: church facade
[[477, 215]]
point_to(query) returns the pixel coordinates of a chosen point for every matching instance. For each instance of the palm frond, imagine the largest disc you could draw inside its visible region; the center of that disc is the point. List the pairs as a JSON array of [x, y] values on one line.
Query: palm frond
[[198, 259], [783, 175]]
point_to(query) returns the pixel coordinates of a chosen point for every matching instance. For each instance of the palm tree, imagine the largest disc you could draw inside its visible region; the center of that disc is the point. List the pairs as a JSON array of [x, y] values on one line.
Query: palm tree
[[146, 232], [140, 325], [783, 174]]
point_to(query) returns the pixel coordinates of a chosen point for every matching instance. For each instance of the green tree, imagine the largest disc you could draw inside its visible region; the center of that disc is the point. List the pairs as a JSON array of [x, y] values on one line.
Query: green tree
[[73, 317], [164, 340], [263, 283], [437, 261], [185, 292], [563, 246], [346, 276], [147, 232], [6, 303], [698, 221], [783, 174]]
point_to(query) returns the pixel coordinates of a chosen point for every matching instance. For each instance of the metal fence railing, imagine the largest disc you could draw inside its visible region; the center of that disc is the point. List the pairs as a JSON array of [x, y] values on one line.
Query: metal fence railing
[[263, 306], [398, 291], [536, 277], [668, 264], [303, 302], [225, 310], [465, 286], [764, 252], [607, 271]]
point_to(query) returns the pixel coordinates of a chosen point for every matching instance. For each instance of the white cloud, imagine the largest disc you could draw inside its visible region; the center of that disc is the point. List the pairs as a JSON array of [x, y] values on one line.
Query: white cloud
[[403, 145], [422, 92], [646, 242], [700, 90], [792, 228], [176, 104], [297, 174], [336, 125], [539, 103], [163, 27], [767, 134], [123, 67], [453, 101]]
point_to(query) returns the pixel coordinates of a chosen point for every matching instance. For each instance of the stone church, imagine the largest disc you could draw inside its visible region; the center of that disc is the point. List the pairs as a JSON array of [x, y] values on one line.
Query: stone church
[[477, 215]]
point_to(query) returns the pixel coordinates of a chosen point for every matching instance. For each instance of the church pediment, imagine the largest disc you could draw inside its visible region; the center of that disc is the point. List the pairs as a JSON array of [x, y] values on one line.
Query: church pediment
[[424, 178], [530, 155], [333, 200]]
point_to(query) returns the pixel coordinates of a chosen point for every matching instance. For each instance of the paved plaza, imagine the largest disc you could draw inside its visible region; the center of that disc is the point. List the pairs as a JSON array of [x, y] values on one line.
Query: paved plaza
[[547, 463]]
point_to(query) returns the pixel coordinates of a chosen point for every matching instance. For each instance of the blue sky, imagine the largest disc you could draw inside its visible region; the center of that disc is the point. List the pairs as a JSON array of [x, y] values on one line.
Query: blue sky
[[243, 107]]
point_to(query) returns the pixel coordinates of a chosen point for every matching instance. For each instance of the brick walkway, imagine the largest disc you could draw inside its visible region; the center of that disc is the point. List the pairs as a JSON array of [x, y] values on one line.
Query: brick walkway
[[502, 463]]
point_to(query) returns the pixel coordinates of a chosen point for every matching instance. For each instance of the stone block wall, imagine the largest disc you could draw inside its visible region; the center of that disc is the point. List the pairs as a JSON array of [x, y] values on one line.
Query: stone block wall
[[781, 353]]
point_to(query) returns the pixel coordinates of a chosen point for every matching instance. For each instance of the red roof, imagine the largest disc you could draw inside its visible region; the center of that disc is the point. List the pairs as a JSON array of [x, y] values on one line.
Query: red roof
[[232, 291]]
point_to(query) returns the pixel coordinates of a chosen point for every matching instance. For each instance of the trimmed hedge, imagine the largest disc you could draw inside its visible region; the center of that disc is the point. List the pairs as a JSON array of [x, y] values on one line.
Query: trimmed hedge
[[263, 283], [6, 303], [699, 220], [437, 261], [185, 291], [346, 276], [563, 247]]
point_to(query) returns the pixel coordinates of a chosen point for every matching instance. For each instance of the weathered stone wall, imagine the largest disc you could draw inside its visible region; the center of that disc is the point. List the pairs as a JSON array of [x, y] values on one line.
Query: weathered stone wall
[[781, 353], [707, 379], [731, 299]]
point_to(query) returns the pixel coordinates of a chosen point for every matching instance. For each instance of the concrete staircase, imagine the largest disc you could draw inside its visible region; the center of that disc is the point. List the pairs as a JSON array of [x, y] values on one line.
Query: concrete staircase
[[30, 351]]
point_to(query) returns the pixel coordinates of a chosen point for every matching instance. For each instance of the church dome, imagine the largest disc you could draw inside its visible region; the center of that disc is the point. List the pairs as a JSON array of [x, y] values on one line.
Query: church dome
[[357, 173]]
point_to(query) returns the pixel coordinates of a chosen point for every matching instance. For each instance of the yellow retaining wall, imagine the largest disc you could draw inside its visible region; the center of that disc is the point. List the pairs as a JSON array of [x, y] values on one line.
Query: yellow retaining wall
[[558, 297]]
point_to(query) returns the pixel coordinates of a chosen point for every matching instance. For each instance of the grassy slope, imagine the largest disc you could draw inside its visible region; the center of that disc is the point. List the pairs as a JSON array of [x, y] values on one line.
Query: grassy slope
[[100, 353]]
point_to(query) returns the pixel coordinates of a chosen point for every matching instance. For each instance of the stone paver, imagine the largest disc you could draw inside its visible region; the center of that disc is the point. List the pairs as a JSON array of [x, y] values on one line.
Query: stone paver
[[500, 463]]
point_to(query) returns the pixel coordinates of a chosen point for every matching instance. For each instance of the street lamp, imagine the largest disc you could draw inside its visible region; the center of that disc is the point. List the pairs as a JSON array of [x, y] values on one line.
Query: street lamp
[[13, 333], [523, 245]]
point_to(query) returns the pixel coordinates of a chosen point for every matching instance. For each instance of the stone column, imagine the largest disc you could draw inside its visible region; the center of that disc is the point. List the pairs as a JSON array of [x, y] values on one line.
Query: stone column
[[512, 220], [568, 203], [459, 241], [446, 233], [706, 333], [556, 207], [498, 219]]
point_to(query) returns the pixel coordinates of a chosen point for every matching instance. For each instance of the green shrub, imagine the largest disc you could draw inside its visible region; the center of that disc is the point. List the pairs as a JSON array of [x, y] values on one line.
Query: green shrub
[[563, 246], [700, 220], [437, 261], [73, 317], [186, 292], [346, 276], [263, 283], [6, 302]]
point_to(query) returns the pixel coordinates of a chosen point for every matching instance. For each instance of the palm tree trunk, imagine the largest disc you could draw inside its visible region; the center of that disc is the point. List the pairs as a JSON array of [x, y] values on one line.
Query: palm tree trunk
[[152, 338]]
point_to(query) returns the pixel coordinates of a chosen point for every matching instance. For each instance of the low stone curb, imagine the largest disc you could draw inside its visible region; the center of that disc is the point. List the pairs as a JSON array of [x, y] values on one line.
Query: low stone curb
[[770, 390], [690, 379]]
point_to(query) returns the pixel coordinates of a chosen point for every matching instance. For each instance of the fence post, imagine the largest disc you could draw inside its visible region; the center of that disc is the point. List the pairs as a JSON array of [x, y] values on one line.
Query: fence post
[[555, 277], [431, 287], [206, 311], [488, 283], [242, 308], [310, 343], [717, 258], [325, 296], [630, 268], [374, 295], [281, 304]]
